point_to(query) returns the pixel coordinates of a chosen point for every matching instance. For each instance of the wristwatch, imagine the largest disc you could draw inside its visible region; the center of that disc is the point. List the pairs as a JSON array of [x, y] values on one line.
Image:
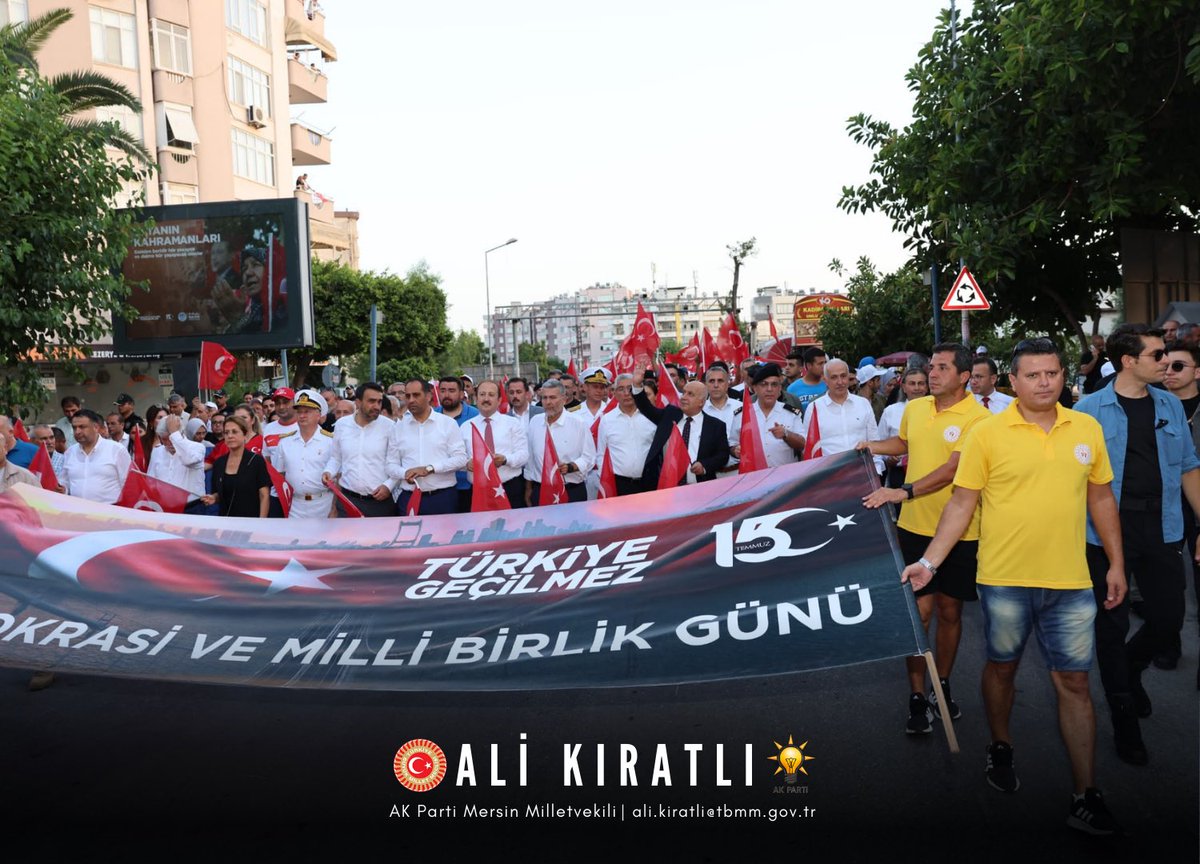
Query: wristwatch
[[908, 490], [429, 468], [924, 562]]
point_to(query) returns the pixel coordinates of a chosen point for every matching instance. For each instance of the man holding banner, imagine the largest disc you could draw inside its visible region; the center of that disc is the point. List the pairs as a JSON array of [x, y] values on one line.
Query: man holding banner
[[504, 436], [301, 456], [933, 432], [1038, 469], [573, 445]]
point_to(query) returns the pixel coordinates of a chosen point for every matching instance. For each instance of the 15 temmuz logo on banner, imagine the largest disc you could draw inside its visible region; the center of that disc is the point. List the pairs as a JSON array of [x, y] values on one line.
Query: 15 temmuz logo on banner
[[762, 538]]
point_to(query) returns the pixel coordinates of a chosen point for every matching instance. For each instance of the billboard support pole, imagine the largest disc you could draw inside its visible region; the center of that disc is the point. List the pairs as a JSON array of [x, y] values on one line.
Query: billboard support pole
[[287, 379]]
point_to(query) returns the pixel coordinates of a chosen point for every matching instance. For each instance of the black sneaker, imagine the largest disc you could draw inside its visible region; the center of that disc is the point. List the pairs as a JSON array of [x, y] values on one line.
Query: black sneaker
[[1089, 814], [1000, 773], [955, 711], [920, 715]]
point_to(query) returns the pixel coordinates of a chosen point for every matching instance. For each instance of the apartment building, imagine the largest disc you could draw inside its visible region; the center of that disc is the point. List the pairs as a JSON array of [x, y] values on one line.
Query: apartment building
[[220, 82]]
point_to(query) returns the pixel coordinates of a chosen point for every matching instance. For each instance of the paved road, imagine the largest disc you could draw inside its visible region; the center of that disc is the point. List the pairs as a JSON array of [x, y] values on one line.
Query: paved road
[[110, 764]]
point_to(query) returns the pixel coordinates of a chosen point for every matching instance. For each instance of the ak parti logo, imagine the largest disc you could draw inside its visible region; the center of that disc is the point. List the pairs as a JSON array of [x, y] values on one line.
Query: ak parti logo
[[420, 765]]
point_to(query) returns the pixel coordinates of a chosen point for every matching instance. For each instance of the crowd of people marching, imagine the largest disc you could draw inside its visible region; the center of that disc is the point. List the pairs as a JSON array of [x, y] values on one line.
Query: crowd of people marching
[[1057, 521]]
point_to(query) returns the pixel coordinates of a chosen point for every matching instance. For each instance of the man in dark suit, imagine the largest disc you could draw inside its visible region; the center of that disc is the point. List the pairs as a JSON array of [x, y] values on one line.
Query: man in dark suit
[[704, 435]]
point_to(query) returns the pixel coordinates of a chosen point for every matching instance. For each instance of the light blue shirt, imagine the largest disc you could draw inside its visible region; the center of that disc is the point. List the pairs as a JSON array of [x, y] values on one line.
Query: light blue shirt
[[1176, 452]]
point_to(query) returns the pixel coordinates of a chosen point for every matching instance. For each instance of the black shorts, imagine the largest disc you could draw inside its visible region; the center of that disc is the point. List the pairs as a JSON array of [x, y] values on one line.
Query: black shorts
[[956, 577]]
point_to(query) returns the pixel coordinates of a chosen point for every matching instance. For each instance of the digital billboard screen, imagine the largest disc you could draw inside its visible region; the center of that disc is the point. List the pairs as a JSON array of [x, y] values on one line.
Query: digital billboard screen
[[234, 272]]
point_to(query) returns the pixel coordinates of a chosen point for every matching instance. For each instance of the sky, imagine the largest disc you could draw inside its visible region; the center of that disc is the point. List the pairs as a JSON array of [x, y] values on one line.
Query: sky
[[621, 141]]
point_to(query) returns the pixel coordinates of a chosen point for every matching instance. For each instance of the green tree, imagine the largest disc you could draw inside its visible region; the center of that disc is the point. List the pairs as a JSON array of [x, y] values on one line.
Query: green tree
[[414, 307], [892, 312], [342, 299], [80, 90], [1073, 120], [535, 352], [61, 243], [466, 348]]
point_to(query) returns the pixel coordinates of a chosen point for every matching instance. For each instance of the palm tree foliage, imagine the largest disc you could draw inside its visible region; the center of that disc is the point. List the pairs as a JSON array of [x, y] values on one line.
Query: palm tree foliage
[[80, 91]]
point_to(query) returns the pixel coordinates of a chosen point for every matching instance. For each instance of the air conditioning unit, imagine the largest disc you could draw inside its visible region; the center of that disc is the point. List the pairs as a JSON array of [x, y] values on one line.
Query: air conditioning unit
[[256, 117]]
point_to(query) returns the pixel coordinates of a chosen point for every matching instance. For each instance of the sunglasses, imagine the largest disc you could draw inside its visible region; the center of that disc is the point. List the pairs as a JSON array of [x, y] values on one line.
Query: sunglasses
[[1179, 366], [1157, 354]]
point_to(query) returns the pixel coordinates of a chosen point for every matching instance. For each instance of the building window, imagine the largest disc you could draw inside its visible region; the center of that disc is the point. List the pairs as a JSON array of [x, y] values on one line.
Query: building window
[[113, 38], [14, 12], [172, 48], [253, 157], [175, 125], [177, 193], [126, 118], [248, 17], [249, 85]]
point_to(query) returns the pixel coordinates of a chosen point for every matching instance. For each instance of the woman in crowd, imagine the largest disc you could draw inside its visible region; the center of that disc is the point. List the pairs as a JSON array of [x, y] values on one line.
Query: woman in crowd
[[239, 478]]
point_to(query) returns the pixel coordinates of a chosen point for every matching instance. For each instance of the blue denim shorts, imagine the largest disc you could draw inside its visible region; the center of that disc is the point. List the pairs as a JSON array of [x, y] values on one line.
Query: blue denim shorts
[[1064, 621]]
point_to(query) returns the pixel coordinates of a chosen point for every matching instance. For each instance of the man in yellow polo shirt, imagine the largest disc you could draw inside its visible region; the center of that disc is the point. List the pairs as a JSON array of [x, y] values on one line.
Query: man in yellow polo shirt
[[933, 431], [1037, 469]]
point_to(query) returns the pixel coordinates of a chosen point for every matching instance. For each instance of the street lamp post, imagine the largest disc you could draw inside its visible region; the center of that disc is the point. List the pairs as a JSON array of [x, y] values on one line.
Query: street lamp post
[[487, 287]]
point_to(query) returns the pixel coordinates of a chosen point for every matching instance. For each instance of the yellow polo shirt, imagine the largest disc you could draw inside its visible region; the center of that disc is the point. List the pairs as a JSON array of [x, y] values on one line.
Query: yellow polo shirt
[[931, 436], [1034, 496]]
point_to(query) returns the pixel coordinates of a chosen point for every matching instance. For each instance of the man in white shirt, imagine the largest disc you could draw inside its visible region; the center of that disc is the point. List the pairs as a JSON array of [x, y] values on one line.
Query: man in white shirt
[[504, 436], [284, 422], [97, 468], [301, 456], [572, 441], [983, 384], [843, 418], [180, 459], [626, 434], [519, 399], [779, 424], [426, 449], [359, 456]]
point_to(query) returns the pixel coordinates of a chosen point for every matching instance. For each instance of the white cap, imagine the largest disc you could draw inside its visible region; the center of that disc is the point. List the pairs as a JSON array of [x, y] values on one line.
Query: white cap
[[868, 373]]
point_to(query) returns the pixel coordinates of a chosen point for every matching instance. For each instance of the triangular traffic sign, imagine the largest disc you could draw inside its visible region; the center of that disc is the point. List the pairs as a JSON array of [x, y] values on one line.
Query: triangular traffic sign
[[966, 295]]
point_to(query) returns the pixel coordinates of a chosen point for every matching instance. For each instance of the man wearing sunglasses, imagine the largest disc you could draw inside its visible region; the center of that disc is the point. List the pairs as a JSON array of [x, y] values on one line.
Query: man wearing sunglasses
[[1152, 456], [1182, 379]]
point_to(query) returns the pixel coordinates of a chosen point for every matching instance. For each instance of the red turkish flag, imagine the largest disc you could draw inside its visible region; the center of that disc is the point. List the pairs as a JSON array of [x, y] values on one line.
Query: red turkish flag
[[140, 462], [19, 430], [691, 357], [640, 345], [351, 511], [812, 437], [608, 478], [571, 369], [675, 461], [612, 403], [487, 492], [709, 351], [505, 408], [753, 457], [414, 503], [216, 365], [143, 492], [730, 344], [554, 488], [44, 470], [437, 394], [666, 386], [282, 488], [771, 321]]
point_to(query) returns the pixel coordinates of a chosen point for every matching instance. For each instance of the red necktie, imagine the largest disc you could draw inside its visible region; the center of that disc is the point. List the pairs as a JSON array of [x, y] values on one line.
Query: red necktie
[[985, 402], [487, 435]]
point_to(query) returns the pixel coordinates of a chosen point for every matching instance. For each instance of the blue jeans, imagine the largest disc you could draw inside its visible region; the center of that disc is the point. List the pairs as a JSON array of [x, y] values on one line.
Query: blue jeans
[[1063, 620]]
